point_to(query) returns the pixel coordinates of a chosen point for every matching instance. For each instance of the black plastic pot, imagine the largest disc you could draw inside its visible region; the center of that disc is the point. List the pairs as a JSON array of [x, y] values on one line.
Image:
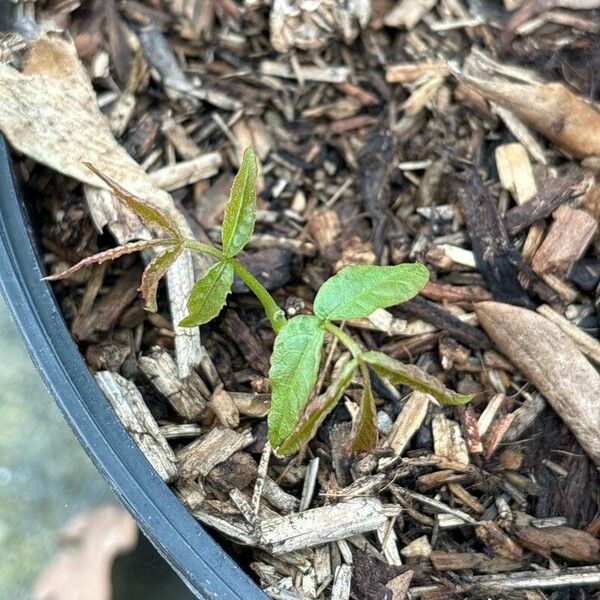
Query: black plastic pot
[[207, 570]]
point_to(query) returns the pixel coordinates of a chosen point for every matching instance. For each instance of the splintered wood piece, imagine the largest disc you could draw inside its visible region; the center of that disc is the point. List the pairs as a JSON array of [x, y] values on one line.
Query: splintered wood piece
[[516, 176], [321, 525], [342, 582], [191, 493], [444, 292], [496, 434], [199, 457], [325, 229], [178, 175], [587, 344], [574, 577], [466, 498], [470, 426], [554, 365], [399, 585], [407, 423], [236, 529], [408, 13], [251, 404], [380, 320], [186, 396], [225, 408], [515, 172], [108, 308], [447, 439], [501, 544], [305, 72], [407, 72], [389, 542], [419, 548], [261, 476], [489, 413], [310, 483], [132, 411], [567, 240], [278, 497]]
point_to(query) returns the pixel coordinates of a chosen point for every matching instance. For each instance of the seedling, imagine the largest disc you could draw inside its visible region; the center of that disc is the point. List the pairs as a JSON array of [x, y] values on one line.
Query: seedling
[[297, 409]]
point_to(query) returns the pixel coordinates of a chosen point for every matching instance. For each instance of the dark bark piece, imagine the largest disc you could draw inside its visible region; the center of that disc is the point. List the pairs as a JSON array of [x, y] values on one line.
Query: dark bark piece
[[111, 353], [585, 273], [375, 165], [370, 575], [108, 309], [271, 266], [434, 314], [495, 256], [552, 193], [250, 347], [238, 471]]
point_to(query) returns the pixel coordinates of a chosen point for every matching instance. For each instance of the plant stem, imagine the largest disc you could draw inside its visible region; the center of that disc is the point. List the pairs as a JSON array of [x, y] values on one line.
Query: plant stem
[[341, 335], [274, 313]]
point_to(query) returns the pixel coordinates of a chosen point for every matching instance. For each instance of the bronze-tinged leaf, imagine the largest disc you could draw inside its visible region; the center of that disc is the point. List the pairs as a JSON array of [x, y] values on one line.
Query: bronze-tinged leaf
[[151, 215], [399, 373], [315, 412], [154, 272], [364, 430], [553, 363], [107, 255]]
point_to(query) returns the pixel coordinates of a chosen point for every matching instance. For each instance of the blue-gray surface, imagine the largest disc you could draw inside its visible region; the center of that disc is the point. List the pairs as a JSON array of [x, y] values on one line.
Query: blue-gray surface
[[45, 476]]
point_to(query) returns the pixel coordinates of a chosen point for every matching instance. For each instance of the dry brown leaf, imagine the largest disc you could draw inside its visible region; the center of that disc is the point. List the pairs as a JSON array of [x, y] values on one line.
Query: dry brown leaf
[[563, 117], [554, 365], [49, 112], [82, 570]]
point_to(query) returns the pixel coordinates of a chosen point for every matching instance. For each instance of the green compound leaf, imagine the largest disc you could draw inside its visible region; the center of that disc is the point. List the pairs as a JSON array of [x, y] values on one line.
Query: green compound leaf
[[316, 411], [240, 212], [208, 295], [399, 373], [357, 291], [364, 430], [146, 212], [293, 374], [154, 272]]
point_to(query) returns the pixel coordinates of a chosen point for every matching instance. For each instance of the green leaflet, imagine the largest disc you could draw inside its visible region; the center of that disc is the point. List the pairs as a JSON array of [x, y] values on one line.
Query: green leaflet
[[364, 431], [357, 291], [397, 372], [154, 272], [240, 212], [148, 213], [293, 374], [316, 411], [208, 295]]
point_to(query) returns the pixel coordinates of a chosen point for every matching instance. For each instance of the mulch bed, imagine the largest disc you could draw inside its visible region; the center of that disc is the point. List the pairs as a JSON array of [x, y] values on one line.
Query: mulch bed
[[447, 132]]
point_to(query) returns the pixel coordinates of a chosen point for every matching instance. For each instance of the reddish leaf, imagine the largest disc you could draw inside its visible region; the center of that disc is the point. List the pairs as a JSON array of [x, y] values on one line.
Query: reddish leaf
[[154, 272], [147, 213], [107, 255]]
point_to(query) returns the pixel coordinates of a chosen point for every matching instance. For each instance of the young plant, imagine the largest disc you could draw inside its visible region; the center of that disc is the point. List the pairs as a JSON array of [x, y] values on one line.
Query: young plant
[[297, 410]]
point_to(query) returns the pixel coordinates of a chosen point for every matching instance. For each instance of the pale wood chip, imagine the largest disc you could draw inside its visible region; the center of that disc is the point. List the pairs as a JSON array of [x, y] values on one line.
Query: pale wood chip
[[137, 419]]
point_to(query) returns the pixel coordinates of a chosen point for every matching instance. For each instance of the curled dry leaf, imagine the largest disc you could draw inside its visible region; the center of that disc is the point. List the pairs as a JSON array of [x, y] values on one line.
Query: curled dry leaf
[[563, 117], [554, 365], [49, 112]]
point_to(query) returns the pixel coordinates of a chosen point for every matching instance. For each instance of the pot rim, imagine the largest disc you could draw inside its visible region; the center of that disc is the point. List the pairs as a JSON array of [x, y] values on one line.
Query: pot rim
[[202, 564]]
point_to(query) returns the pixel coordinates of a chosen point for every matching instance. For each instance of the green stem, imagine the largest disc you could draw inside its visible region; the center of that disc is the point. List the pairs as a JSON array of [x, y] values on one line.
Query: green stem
[[341, 335], [275, 314]]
